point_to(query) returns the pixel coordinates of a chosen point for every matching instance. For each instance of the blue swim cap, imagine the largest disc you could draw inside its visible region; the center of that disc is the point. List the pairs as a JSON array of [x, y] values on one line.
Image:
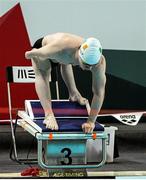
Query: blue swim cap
[[90, 51]]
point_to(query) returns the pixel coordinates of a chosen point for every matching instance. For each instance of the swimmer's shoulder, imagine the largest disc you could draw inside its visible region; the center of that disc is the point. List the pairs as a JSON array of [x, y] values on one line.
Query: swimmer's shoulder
[[101, 66]]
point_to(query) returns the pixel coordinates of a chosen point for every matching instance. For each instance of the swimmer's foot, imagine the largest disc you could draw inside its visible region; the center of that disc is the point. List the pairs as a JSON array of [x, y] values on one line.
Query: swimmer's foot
[[50, 122]]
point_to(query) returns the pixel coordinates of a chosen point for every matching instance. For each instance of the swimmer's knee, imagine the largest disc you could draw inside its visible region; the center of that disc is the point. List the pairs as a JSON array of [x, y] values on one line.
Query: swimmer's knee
[[42, 72], [42, 69]]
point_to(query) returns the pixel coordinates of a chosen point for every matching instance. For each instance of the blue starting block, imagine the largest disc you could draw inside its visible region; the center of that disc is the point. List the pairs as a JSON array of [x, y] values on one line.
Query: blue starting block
[[65, 148]]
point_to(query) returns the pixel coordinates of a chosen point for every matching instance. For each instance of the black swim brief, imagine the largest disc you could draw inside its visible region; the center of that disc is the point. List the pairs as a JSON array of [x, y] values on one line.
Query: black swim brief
[[38, 43]]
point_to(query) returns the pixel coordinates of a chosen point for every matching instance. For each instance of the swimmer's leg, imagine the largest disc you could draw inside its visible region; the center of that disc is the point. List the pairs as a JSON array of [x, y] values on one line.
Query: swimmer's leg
[[42, 75]]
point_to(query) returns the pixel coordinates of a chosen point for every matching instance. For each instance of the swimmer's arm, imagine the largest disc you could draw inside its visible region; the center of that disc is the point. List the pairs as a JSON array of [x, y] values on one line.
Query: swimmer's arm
[[98, 88], [45, 52], [68, 77]]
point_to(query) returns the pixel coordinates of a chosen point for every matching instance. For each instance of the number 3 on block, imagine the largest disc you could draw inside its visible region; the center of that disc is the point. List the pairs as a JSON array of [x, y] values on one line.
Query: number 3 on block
[[67, 156]]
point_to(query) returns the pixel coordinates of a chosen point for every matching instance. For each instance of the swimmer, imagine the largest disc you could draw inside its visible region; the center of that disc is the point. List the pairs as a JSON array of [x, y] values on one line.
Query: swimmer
[[68, 50]]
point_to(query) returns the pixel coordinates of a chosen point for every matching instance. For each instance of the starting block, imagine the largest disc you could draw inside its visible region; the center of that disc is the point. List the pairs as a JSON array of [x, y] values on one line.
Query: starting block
[[67, 147]]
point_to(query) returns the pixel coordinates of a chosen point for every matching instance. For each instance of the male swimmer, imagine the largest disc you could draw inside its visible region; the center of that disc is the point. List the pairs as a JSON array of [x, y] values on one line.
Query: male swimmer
[[67, 50]]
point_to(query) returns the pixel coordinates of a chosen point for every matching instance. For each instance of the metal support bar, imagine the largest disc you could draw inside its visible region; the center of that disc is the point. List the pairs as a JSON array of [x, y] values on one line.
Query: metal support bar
[[77, 135], [84, 136]]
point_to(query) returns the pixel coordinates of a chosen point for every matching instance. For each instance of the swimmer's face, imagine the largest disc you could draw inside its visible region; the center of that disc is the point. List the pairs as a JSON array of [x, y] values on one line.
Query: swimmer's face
[[84, 66]]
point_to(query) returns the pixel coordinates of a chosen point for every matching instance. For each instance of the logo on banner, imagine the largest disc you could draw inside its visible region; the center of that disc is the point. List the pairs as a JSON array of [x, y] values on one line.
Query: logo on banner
[[129, 118]]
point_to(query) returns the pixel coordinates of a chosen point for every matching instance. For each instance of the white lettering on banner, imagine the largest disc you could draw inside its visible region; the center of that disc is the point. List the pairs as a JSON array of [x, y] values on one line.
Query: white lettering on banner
[[128, 117]]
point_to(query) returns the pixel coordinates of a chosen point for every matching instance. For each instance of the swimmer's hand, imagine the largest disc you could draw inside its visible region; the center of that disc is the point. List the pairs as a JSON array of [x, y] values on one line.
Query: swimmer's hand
[[50, 122], [88, 127], [78, 98], [30, 54]]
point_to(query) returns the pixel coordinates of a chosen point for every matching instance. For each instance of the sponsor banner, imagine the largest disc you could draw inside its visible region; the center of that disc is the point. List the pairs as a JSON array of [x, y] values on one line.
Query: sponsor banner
[[130, 118]]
